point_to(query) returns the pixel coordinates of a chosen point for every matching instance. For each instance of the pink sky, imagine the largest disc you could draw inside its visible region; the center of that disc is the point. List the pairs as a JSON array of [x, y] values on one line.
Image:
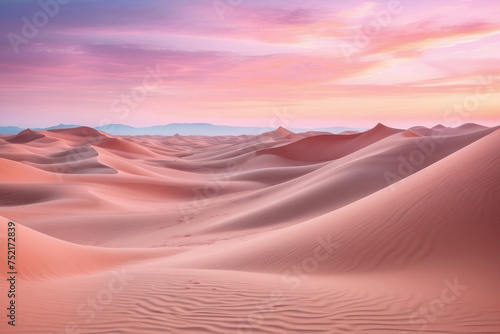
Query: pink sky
[[327, 63]]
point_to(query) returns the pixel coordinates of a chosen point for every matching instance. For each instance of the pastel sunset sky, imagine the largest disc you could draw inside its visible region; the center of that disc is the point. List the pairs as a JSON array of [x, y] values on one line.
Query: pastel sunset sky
[[234, 62]]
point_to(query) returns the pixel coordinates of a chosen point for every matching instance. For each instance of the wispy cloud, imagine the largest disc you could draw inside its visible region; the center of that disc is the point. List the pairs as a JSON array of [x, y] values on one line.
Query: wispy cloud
[[262, 53]]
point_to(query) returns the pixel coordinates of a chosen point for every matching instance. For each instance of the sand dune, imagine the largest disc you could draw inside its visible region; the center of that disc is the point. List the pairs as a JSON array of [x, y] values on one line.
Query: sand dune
[[77, 135], [25, 136], [124, 148], [407, 227], [13, 171], [45, 257], [330, 147], [384, 231]]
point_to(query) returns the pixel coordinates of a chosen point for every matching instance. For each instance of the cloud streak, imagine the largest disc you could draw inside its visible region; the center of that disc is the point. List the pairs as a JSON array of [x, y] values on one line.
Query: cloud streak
[[263, 54]]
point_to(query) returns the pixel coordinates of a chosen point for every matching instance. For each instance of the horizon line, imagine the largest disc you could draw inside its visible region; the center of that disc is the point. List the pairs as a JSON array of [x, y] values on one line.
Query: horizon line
[[240, 126]]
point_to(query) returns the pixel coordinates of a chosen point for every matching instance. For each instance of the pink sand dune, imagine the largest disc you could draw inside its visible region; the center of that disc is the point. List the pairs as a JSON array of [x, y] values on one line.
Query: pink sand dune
[[385, 231]]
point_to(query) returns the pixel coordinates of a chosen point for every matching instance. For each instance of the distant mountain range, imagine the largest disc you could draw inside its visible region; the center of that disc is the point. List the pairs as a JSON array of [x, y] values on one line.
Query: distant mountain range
[[12, 130], [183, 129]]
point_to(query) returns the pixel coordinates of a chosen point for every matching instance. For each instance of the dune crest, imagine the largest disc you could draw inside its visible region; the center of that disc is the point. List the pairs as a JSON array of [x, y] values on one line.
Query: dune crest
[[276, 233], [45, 257], [330, 147], [25, 136]]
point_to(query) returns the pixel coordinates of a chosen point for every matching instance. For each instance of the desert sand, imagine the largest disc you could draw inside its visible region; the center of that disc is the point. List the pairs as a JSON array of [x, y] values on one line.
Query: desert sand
[[385, 231]]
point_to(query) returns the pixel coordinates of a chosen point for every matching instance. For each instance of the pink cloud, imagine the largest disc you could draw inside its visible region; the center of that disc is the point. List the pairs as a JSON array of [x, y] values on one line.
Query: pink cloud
[[92, 54]]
